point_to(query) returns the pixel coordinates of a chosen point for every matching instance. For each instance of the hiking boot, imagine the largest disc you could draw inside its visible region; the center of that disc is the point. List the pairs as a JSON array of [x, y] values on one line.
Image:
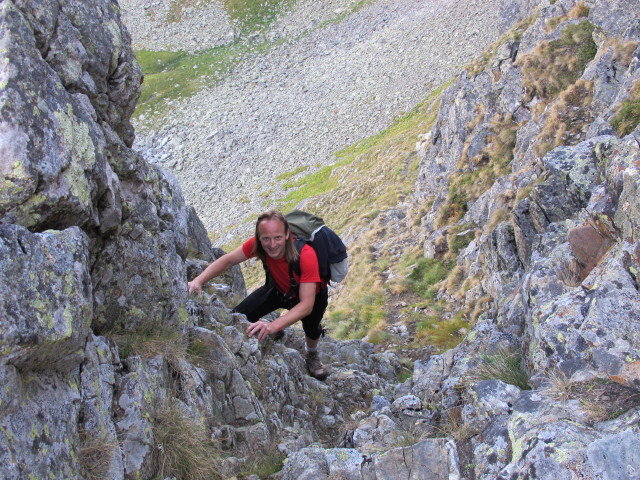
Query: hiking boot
[[315, 366]]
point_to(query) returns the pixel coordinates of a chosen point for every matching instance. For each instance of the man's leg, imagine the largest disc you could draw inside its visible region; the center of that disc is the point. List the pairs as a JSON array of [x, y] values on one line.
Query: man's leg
[[261, 302], [313, 331]]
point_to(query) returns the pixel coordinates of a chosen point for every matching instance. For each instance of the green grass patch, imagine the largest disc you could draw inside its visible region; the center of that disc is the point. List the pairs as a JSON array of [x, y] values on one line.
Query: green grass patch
[[426, 273], [386, 166], [458, 241], [627, 118], [317, 183], [250, 16], [288, 175], [505, 365], [443, 334], [174, 75], [364, 313]]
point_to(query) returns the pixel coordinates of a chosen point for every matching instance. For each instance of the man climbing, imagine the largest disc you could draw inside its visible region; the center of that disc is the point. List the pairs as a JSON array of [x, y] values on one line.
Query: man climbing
[[304, 294]]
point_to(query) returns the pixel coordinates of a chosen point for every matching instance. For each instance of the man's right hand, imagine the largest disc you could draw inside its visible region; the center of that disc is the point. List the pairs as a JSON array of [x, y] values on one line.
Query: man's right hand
[[194, 286]]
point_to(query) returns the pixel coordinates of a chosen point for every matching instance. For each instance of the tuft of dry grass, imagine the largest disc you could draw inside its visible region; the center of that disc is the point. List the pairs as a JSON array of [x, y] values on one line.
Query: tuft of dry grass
[[601, 399], [568, 118], [569, 272], [96, 455], [453, 426], [478, 174], [150, 340], [483, 62], [579, 10], [182, 446], [553, 66], [558, 388], [263, 462]]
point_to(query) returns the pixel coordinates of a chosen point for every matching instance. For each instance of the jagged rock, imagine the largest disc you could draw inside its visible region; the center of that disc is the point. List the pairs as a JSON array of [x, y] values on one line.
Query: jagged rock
[[486, 400], [46, 298], [502, 263], [588, 245], [98, 433], [618, 18], [587, 328], [551, 446], [425, 460], [138, 393], [39, 423]]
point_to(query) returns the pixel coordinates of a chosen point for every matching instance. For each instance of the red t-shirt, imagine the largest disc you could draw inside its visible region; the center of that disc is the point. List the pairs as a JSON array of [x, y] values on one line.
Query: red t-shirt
[[309, 270]]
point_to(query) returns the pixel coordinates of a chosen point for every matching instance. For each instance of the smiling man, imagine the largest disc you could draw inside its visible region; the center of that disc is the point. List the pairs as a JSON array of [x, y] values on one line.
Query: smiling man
[[292, 282]]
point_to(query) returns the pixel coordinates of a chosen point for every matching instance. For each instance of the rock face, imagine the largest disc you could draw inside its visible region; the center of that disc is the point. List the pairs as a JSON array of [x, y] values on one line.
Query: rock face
[[105, 358]]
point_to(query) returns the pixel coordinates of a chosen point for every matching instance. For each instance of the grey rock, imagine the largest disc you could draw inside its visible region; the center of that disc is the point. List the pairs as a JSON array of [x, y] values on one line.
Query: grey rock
[[47, 298]]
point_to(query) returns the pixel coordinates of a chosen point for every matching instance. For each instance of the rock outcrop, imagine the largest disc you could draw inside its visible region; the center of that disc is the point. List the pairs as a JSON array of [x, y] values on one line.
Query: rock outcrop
[[106, 360]]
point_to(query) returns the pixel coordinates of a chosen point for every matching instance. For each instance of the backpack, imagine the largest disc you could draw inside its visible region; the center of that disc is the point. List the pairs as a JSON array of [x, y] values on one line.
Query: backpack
[[311, 230]]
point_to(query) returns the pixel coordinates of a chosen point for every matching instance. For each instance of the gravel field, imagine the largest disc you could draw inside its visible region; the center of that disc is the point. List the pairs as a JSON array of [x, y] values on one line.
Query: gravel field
[[305, 99]]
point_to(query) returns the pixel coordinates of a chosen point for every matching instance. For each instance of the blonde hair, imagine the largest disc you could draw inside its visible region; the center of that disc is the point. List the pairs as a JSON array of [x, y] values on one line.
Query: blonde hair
[[290, 252]]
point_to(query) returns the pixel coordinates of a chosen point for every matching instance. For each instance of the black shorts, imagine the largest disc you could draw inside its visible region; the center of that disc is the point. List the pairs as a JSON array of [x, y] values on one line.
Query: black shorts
[[267, 299]]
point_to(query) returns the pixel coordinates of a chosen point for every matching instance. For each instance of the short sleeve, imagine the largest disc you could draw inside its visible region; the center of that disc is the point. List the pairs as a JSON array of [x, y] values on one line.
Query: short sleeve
[[247, 247]]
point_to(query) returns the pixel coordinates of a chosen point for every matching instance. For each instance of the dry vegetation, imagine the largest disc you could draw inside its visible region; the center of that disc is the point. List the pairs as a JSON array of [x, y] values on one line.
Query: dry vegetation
[[600, 399], [96, 455], [182, 445]]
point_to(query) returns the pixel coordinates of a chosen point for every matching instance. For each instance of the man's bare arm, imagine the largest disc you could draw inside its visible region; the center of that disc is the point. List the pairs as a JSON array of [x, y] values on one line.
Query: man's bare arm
[[216, 268]]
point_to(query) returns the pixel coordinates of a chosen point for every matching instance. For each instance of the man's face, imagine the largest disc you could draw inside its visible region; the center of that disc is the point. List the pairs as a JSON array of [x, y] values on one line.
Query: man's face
[[273, 238]]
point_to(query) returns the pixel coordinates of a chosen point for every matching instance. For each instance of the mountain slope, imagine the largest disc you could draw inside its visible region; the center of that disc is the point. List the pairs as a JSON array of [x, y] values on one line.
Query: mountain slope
[[294, 106]]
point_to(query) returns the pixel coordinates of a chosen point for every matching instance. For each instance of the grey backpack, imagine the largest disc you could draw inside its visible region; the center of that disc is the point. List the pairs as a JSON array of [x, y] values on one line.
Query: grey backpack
[[332, 254]]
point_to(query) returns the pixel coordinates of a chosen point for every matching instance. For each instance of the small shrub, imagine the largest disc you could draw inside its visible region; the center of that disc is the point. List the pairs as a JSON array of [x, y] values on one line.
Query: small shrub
[[505, 365]]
